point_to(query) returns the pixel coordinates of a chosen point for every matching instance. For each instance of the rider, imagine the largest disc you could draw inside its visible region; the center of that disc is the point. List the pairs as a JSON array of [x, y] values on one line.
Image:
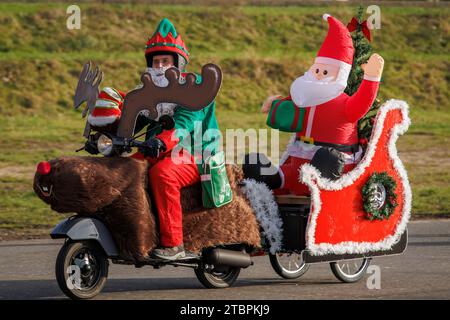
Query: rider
[[170, 152]]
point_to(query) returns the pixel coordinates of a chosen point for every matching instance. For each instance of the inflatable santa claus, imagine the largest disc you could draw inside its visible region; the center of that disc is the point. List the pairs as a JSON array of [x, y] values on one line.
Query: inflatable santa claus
[[322, 116]]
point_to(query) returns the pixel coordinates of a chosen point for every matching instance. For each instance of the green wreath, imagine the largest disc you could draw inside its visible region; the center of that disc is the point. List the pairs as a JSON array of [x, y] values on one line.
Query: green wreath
[[379, 198]]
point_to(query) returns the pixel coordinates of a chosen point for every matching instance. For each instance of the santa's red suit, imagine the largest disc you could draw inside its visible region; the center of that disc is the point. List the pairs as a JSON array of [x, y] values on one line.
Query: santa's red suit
[[333, 122]]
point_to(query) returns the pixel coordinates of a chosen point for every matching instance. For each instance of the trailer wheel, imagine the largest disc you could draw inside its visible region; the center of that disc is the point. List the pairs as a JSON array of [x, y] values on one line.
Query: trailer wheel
[[350, 271], [288, 265]]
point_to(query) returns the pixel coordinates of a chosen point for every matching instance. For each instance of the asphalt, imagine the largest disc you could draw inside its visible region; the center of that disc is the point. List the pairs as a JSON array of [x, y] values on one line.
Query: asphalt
[[421, 272]]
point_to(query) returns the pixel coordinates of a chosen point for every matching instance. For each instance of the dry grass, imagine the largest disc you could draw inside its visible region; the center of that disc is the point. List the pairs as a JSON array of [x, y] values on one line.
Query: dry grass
[[261, 49]]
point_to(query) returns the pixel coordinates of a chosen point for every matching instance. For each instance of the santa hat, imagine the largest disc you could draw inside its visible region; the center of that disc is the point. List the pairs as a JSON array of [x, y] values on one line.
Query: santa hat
[[337, 48], [166, 39], [108, 108]]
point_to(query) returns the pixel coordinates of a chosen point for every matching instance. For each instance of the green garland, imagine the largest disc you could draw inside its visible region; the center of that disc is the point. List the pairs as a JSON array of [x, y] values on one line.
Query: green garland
[[391, 198], [363, 50]]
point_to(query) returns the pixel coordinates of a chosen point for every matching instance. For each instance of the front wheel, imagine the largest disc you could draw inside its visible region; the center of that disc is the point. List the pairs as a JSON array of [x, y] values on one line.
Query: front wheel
[[350, 271], [81, 269], [217, 278]]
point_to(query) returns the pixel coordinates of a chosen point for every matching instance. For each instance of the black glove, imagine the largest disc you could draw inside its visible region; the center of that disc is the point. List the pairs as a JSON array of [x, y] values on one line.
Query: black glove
[[152, 148], [91, 147], [330, 162]]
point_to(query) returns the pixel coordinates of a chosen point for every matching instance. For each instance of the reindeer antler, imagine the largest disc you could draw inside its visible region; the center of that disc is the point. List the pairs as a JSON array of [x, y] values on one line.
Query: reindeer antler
[[189, 95], [87, 90]]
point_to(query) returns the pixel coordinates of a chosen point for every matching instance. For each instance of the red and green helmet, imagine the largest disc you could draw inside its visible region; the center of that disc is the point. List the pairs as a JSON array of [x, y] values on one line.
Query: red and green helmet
[[166, 39]]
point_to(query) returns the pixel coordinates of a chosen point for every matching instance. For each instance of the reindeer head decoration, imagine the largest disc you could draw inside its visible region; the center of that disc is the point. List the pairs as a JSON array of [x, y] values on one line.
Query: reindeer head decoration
[[189, 95]]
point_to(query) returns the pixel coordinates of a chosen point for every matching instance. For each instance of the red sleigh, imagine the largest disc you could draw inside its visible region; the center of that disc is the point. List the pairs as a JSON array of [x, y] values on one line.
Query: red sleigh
[[338, 224]]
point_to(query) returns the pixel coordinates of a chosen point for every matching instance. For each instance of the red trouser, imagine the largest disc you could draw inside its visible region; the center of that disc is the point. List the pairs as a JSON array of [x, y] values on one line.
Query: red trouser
[[166, 179], [290, 171]]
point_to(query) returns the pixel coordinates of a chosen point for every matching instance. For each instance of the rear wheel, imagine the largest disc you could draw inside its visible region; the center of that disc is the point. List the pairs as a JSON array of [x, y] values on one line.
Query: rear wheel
[[81, 269], [350, 271], [222, 277], [288, 265]]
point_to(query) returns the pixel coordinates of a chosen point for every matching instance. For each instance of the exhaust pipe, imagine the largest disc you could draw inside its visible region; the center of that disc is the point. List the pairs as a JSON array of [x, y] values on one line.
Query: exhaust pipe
[[230, 258]]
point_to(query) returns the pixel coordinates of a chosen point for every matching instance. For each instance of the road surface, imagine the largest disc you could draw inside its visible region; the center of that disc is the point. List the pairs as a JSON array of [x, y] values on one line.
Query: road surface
[[422, 272]]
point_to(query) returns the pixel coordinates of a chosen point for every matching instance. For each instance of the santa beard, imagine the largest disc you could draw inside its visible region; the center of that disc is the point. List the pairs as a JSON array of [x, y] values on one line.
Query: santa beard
[[307, 91], [160, 80]]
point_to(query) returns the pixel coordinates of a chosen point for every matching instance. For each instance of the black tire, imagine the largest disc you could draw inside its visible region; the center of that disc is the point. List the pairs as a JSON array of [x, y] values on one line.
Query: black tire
[[360, 267], [92, 277], [284, 272], [217, 279]]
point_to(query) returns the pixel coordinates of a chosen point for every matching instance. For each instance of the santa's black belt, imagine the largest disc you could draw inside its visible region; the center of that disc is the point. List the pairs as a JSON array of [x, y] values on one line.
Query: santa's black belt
[[340, 147]]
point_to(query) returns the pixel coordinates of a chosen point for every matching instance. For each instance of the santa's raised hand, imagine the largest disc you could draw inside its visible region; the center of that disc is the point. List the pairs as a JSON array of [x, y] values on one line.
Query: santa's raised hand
[[374, 67]]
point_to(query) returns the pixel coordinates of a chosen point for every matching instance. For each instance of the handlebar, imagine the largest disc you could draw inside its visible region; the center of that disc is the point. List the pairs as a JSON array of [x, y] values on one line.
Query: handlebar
[[137, 144], [166, 122], [120, 144]]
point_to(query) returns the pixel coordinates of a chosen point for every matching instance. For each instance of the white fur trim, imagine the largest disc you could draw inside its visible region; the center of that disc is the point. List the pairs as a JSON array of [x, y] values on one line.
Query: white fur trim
[[332, 61], [326, 16], [113, 93], [311, 176], [285, 155], [101, 121], [370, 78], [299, 149], [104, 103], [309, 123], [266, 210]]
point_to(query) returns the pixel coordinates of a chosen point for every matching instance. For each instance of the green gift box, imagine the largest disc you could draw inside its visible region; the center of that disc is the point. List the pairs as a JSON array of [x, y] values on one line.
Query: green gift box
[[284, 115]]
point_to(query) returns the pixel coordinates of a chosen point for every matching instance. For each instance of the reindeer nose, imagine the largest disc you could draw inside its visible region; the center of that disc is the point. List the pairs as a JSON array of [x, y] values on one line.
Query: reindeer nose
[[43, 168]]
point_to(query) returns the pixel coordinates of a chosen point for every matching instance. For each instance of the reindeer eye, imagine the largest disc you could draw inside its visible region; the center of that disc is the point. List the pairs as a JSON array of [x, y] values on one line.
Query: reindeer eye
[[325, 72], [317, 70]]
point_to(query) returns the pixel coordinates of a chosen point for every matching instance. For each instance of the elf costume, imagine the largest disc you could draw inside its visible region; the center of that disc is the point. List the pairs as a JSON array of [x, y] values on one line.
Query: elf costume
[[170, 170], [331, 124]]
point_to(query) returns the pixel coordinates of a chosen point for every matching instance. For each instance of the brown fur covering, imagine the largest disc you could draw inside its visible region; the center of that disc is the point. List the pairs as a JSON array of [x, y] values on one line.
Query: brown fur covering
[[115, 189], [232, 223]]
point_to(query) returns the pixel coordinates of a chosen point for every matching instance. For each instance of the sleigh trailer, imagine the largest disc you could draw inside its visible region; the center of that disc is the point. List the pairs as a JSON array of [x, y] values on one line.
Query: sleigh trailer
[[349, 221]]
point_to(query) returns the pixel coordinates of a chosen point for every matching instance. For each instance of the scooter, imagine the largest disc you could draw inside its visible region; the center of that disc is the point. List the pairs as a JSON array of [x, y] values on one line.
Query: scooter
[[83, 261]]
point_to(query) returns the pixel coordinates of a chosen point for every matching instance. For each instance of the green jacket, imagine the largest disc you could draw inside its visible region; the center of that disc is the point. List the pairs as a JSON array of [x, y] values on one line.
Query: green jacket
[[191, 127]]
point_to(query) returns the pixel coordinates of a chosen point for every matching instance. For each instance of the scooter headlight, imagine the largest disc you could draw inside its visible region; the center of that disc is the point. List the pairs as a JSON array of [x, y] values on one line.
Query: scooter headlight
[[105, 145]]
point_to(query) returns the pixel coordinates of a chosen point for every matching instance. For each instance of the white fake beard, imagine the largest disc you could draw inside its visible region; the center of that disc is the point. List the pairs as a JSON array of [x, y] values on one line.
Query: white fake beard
[[160, 80], [307, 91]]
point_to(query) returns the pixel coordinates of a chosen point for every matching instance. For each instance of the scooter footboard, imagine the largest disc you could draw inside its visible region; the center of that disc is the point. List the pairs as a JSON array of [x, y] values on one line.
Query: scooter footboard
[[81, 228]]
